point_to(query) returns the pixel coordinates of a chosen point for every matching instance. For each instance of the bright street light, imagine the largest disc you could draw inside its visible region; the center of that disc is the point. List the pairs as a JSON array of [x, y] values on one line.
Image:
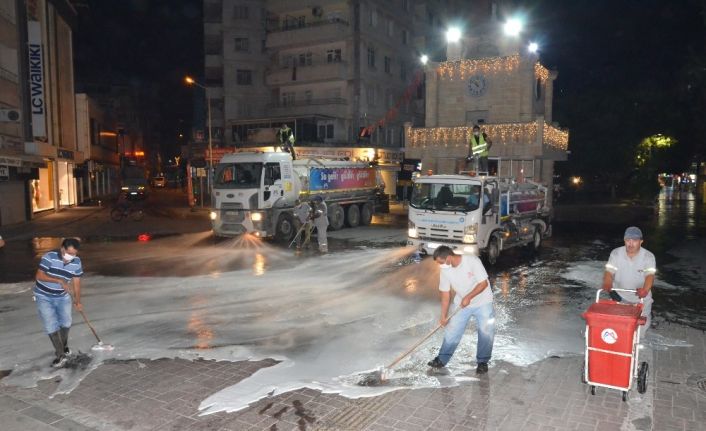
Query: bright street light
[[513, 27], [533, 47], [453, 34], [191, 81], [424, 59]]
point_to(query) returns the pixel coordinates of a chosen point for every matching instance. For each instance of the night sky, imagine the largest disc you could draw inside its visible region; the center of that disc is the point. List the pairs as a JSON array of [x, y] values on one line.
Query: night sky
[[627, 68], [153, 43]]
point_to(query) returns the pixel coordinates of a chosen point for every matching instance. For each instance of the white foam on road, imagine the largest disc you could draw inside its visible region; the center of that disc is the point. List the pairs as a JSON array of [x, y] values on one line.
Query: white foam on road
[[328, 319]]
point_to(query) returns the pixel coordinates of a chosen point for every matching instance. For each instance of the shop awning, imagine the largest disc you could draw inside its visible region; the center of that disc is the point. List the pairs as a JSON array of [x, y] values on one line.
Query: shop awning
[[23, 160]]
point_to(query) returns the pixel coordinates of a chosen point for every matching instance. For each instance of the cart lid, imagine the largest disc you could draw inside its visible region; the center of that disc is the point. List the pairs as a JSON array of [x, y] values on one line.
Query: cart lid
[[614, 311]]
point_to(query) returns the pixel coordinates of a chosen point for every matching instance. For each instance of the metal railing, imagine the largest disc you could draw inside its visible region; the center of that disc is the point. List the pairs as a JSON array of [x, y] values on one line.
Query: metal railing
[[310, 102], [295, 25]]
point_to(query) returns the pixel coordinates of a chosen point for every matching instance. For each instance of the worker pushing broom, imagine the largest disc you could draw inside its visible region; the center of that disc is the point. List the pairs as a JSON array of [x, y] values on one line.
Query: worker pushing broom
[[464, 281], [57, 286]]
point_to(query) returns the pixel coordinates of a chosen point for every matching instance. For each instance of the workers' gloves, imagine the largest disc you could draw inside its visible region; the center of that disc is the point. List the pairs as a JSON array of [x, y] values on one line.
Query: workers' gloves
[[615, 296]]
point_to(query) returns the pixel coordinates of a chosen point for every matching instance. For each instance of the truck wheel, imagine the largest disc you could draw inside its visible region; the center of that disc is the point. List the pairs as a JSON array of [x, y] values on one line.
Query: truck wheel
[[536, 240], [366, 214], [353, 216], [336, 217], [493, 251], [285, 228]]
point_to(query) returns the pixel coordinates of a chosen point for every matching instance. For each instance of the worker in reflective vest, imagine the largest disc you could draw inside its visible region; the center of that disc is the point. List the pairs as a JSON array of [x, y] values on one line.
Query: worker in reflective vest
[[478, 147], [286, 139]]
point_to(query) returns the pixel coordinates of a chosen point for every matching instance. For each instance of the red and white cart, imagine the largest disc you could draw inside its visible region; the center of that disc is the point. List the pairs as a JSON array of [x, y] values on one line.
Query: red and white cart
[[612, 337]]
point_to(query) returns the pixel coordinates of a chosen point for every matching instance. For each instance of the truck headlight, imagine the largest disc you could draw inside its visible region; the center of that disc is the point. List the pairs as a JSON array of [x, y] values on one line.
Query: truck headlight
[[469, 233], [124, 188], [213, 215], [412, 230], [256, 216]]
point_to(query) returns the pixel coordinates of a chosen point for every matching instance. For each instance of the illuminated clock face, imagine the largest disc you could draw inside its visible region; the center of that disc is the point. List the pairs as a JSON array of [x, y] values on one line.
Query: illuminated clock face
[[476, 85]]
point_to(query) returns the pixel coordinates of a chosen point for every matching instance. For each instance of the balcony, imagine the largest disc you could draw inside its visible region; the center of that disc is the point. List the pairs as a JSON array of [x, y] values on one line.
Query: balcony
[[314, 73], [332, 107], [294, 34]]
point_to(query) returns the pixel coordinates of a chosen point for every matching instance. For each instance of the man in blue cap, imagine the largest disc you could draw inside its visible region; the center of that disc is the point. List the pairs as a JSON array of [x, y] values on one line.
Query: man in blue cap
[[632, 267]]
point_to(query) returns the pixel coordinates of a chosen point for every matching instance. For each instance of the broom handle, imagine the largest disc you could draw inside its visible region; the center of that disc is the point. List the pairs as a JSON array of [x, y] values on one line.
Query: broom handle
[[85, 319], [426, 337]]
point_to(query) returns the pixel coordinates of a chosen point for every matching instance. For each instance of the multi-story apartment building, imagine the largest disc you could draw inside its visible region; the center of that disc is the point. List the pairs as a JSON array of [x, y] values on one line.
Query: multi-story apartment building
[[39, 152], [340, 72]]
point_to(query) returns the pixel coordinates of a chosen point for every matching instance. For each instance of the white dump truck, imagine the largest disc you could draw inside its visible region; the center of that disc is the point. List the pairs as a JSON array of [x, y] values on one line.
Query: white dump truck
[[255, 192], [477, 214]]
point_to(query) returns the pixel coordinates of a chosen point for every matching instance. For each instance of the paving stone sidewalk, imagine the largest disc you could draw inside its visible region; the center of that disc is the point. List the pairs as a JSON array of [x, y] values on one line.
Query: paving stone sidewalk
[[165, 395]]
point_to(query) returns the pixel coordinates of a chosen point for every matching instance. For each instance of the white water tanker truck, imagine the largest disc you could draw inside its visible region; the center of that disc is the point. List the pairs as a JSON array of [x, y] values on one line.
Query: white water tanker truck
[[255, 192], [477, 214]]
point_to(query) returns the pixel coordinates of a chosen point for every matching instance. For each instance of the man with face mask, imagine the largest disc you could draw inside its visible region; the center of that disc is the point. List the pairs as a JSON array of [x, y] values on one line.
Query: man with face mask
[[478, 148], [632, 267], [463, 277], [53, 293]]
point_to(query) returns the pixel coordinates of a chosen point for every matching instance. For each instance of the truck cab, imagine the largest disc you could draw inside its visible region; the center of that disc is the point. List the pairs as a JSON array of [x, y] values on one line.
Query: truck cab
[[476, 214], [248, 188]]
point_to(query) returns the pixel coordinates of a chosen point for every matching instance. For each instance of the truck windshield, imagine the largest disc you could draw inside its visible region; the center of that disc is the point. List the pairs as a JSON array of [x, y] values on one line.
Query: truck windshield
[[446, 197], [238, 175]]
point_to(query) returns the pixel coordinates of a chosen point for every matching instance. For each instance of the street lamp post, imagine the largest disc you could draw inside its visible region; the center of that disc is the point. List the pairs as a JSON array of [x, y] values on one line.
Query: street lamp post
[[191, 81]]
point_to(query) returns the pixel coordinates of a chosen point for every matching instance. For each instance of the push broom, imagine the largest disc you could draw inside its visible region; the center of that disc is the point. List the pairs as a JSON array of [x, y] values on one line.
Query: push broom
[[100, 346], [379, 376]]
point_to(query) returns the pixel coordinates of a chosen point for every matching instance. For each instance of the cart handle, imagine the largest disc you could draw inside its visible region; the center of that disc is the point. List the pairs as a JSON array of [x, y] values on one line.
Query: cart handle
[[598, 293]]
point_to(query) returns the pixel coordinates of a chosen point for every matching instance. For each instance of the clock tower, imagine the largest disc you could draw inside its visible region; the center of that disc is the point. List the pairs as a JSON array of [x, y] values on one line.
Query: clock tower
[[491, 80]]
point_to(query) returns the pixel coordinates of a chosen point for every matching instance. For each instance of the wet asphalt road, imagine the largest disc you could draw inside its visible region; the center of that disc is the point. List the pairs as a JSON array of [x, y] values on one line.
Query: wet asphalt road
[[674, 232]]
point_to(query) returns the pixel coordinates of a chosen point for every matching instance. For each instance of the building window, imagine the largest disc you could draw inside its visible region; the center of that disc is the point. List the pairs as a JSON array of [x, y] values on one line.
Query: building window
[[333, 56], [308, 96], [263, 45], [388, 64], [390, 27], [371, 56], [370, 95], [242, 44], [403, 71], [405, 5], [329, 131], [212, 12], [288, 99], [293, 22], [241, 12], [243, 77], [405, 37], [213, 44], [305, 59], [373, 17]]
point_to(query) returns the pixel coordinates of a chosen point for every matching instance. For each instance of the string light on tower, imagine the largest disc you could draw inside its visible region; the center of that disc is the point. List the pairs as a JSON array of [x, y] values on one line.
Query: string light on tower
[[503, 134]]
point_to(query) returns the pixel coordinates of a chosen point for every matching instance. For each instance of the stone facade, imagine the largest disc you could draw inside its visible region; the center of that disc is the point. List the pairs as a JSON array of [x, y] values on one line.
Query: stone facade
[[510, 97]]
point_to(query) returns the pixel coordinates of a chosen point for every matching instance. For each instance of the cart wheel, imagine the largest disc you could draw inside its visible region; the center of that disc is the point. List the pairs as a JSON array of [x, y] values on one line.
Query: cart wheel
[[593, 390], [625, 396], [642, 374]]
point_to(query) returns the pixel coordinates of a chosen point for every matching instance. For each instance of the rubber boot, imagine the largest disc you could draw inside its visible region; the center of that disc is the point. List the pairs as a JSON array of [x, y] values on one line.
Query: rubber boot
[[65, 338], [58, 344]]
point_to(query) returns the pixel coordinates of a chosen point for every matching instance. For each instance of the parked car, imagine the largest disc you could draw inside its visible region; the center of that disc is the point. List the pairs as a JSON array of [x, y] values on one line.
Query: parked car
[[159, 181]]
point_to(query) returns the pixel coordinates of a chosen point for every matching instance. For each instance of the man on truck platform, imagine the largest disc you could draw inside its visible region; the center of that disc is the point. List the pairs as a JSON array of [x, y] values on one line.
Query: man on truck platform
[[478, 147], [285, 137]]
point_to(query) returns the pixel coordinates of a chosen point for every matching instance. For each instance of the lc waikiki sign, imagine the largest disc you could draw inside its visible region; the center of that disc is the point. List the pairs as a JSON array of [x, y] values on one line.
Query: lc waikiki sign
[[37, 87]]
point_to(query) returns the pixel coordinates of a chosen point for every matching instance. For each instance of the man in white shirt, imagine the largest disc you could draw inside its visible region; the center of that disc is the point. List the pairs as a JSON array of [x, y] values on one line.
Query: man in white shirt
[[632, 267], [464, 278]]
